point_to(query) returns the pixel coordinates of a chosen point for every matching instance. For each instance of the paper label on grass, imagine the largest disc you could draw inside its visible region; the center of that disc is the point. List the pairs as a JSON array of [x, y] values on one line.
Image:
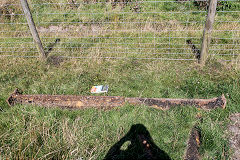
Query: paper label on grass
[[99, 89]]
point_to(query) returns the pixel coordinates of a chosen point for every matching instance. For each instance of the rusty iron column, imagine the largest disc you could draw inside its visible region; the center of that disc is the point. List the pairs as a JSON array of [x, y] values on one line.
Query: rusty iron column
[[106, 102], [192, 152]]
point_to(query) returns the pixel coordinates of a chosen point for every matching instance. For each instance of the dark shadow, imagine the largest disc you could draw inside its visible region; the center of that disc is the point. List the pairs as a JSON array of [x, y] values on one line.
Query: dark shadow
[[55, 60], [51, 46], [141, 146], [195, 50]]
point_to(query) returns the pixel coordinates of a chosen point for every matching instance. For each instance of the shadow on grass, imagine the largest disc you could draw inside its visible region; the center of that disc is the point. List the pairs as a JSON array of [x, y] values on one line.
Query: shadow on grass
[[141, 146]]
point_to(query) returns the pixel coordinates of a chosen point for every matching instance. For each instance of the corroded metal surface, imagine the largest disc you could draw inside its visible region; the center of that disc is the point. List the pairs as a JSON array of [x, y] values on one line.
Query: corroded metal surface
[[166, 103], [193, 145], [68, 101], [71, 101]]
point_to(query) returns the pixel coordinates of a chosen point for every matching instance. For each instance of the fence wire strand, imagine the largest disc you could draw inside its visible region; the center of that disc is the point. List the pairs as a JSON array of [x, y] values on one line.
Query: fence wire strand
[[121, 29]]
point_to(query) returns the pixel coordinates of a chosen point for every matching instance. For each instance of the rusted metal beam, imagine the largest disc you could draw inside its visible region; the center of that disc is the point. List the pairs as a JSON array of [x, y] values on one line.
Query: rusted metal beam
[[71, 101], [167, 103], [66, 101], [193, 145]]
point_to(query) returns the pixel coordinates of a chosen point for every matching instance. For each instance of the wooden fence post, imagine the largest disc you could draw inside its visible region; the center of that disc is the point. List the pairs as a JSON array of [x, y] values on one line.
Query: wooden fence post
[[33, 29], [207, 31]]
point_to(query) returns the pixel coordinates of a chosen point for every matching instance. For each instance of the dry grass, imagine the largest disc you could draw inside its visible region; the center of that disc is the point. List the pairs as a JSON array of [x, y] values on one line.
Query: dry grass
[[8, 10], [93, 36], [40, 133]]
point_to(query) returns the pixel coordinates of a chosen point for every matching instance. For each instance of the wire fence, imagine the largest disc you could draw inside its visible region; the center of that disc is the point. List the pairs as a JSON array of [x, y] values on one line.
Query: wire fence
[[120, 29]]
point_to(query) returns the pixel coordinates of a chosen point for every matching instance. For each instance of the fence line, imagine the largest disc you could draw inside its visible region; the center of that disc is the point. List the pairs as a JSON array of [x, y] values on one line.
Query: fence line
[[153, 30]]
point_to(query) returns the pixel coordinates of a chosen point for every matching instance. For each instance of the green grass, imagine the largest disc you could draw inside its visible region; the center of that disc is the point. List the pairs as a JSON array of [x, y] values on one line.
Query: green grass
[[36, 132], [33, 132], [92, 28]]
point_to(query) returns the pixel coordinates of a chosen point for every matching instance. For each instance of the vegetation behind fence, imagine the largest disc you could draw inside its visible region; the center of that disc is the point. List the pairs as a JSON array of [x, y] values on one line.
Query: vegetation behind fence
[[120, 29], [167, 30]]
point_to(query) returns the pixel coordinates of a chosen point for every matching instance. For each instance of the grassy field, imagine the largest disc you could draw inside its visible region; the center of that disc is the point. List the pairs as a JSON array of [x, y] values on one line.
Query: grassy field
[[36, 132], [155, 30], [33, 132]]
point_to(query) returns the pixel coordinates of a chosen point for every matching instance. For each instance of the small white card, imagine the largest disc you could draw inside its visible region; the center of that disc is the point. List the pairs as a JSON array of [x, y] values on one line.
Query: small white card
[[99, 89]]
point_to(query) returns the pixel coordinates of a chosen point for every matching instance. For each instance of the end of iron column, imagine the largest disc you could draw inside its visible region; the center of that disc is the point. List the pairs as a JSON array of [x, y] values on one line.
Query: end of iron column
[[12, 98]]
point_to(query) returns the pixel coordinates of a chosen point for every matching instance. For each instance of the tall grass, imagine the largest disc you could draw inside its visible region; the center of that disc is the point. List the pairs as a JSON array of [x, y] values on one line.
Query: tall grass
[[36, 132], [33, 132], [90, 28]]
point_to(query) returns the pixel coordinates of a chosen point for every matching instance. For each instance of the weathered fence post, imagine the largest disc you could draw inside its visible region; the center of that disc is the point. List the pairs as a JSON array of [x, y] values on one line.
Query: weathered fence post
[[33, 29], [207, 31]]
